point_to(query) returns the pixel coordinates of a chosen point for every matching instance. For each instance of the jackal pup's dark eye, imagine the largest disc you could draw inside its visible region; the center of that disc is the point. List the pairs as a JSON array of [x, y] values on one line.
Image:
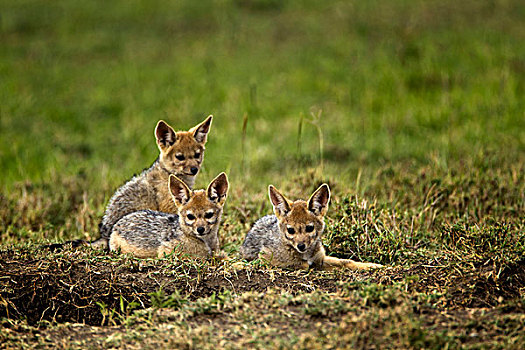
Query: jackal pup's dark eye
[[197, 155], [290, 230], [208, 215], [190, 217], [179, 157], [309, 228]]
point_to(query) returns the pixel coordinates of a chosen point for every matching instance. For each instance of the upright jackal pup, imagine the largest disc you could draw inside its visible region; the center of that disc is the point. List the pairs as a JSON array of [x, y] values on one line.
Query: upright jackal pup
[[181, 154], [192, 231], [292, 237]]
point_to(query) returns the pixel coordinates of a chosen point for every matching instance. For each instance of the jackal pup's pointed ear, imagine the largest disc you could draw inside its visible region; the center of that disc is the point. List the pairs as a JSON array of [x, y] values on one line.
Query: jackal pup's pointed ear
[[165, 135], [218, 189], [281, 205], [200, 132], [318, 202], [180, 192]]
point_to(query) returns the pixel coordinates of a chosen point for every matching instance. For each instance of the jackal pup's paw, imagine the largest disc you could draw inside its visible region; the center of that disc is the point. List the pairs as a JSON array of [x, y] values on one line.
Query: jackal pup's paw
[[362, 266], [374, 266]]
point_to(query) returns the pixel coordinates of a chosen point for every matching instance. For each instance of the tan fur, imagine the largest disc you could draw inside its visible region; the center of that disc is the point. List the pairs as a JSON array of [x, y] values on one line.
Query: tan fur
[[185, 145], [180, 151], [116, 242], [197, 205], [278, 259], [330, 263], [188, 246]]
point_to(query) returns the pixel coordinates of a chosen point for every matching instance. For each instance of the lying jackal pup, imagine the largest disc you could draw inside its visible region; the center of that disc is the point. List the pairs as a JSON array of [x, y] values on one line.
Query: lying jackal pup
[[192, 231], [181, 154], [292, 237]]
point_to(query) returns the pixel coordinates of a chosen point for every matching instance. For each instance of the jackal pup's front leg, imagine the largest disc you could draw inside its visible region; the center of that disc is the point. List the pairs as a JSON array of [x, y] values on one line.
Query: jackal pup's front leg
[[330, 263]]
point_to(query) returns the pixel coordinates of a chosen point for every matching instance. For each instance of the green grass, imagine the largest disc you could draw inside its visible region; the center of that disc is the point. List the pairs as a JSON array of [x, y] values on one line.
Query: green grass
[[412, 111]]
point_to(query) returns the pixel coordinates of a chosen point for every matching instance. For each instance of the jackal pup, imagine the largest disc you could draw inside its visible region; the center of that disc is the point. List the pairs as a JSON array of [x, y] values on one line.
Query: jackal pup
[[181, 154], [192, 231], [292, 237]]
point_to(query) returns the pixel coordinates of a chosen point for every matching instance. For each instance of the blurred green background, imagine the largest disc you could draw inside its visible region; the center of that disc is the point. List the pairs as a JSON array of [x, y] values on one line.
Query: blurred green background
[[355, 86]]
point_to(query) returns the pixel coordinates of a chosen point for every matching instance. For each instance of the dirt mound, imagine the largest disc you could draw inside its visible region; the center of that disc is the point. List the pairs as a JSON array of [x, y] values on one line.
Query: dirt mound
[[75, 288]]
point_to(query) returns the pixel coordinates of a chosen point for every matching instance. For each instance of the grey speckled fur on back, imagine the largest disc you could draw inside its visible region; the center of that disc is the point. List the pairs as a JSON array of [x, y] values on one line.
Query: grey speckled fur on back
[[136, 194], [265, 232], [161, 226]]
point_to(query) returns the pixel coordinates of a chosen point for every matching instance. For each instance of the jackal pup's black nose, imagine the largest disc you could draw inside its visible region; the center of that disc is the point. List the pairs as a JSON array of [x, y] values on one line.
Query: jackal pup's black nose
[[194, 170], [301, 247], [200, 230]]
